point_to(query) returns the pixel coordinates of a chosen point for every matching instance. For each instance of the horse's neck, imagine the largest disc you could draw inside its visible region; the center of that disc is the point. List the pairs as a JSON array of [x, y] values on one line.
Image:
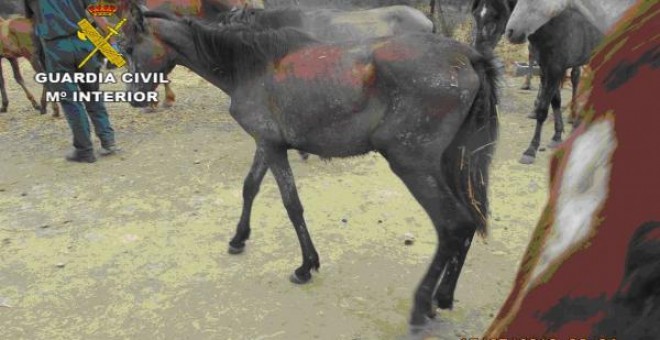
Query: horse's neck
[[177, 39], [603, 14]]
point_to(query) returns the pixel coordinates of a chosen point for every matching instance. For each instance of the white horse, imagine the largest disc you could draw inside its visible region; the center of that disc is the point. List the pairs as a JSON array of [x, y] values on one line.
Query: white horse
[[530, 15]]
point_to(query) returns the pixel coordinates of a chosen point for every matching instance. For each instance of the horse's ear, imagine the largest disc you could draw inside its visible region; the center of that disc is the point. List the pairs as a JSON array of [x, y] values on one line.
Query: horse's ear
[[137, 13]]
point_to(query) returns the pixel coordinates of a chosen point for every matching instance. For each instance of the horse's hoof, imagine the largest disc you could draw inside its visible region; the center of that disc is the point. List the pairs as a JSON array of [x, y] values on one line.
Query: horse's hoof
[[300, 280], [168, 105], [235, 250], [3, 110], [527, 159], [38, 108], [445, 303], [554, 144], [417, 328], [526, 87], [531, 115]]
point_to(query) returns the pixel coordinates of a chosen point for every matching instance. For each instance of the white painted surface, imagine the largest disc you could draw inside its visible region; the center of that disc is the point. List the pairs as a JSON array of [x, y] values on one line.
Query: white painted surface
[[583, 190]]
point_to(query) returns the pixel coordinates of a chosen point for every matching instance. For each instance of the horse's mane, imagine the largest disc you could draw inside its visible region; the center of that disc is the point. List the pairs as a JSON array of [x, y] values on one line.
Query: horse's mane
[[240, 51], [263, 18]]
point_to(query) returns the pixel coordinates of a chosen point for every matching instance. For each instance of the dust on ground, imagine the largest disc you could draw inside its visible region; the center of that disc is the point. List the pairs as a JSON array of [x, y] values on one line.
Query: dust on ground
[[135, 245]]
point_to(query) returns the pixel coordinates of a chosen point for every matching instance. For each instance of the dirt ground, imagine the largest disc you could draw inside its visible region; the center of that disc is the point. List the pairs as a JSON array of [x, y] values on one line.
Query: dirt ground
[[135, 245]]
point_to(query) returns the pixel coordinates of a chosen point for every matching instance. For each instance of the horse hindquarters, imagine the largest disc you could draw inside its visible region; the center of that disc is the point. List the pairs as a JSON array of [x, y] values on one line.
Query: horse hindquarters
[[444, 163], [477, 139]]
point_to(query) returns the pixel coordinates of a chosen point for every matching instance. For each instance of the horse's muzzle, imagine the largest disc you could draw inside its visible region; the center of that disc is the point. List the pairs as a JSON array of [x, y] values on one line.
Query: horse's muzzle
[[515, 37]]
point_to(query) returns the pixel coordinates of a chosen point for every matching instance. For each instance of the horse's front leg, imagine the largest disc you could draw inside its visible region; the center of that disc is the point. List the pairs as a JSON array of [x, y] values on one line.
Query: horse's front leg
[[250, 190], [550, 79], [169, 96], [278, 163]]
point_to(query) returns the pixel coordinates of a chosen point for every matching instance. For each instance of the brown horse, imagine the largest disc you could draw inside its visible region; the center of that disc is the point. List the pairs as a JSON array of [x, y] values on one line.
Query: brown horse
[[16, 42]]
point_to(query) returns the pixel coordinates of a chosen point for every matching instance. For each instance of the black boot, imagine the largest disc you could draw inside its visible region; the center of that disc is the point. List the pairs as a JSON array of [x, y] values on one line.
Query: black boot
[[81, 157], [109, 150]]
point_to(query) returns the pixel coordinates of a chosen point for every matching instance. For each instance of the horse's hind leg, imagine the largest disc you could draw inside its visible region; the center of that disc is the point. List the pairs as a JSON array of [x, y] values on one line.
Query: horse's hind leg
[[559, 123], [3, 90], [575, 82], [278, 163], [451, 223], [37, 67], [444, 294], [250, 189], [19, 79]]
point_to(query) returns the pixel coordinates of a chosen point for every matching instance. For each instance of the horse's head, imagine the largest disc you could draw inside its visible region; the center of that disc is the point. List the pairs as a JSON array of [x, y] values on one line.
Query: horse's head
[[490, 17], [144, 52], [529, 15]]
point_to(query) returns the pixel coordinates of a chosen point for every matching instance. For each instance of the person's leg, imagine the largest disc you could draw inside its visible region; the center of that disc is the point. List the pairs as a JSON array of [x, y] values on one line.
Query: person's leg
[[60, 55], [96, 110]]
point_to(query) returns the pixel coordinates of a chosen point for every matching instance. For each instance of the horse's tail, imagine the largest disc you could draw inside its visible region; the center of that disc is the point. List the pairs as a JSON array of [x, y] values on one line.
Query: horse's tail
[[469, 156]]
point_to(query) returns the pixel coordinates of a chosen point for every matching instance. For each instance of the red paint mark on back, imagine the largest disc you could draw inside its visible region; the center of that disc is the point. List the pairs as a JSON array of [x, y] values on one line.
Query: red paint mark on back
[[325, 63]]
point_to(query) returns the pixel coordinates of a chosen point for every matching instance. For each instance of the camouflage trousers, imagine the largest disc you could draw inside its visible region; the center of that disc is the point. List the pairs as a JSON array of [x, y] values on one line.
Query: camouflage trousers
[[63, 56]]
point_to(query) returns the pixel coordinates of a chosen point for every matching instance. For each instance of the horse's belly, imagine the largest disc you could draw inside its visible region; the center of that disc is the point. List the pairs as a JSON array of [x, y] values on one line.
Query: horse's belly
[[331, 128], [324, 99], [346, 137]]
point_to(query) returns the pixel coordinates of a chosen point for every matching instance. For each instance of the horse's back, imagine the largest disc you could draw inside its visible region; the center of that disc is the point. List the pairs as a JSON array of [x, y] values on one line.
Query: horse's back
[[427, 64], [338, 25], [569, 35], [359, 83], [16, 37]]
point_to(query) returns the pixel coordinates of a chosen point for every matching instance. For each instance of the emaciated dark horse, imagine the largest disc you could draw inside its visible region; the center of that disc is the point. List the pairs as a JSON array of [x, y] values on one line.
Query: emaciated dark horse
[[566, 41], [426, 103]]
